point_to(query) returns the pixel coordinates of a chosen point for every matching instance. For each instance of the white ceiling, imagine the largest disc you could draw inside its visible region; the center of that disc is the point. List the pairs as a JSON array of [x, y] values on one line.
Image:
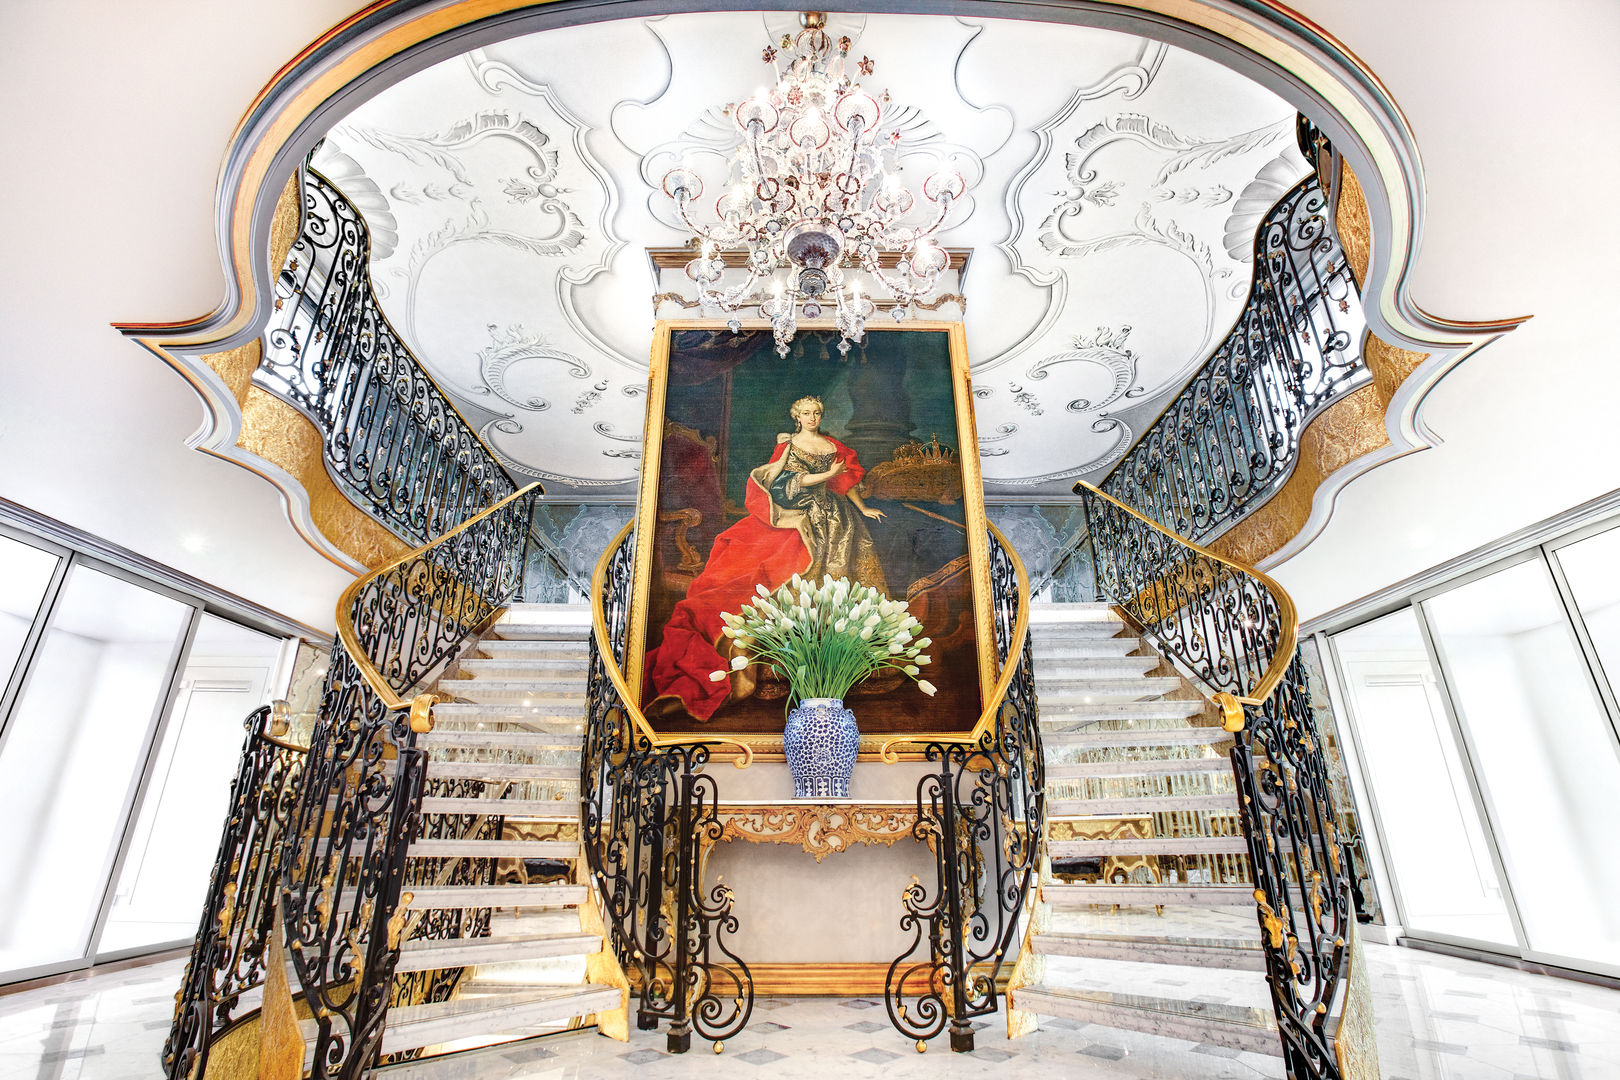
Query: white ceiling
[[93, 428], [1115, 188]]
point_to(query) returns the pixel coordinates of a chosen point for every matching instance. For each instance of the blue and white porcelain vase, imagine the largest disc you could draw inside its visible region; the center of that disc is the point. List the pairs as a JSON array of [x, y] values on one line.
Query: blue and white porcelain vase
[[821, 740]]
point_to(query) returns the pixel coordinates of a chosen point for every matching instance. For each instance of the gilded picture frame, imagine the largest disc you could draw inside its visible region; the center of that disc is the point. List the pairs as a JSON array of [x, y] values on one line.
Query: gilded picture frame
[[664, 553]]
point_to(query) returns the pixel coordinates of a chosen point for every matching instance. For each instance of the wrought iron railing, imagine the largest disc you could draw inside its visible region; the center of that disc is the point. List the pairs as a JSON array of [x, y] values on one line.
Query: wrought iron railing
[[649, 812], [359, 806], [1230, 439], [393, 442], [1235, 629], [228, 957], [982, 811]]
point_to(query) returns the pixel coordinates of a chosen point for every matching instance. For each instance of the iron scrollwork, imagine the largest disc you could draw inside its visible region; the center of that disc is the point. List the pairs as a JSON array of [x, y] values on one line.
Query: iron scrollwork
[[982, 813], [1230, 439], [1233, 629], [649, 814], [228, 956], [392, 440], [360, 805]]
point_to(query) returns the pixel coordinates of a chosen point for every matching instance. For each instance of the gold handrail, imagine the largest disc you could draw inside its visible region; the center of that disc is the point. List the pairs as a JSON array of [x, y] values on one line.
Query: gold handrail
[[1287, 636], [1009, 668], [422, 703], [886, 752], [604, 645]]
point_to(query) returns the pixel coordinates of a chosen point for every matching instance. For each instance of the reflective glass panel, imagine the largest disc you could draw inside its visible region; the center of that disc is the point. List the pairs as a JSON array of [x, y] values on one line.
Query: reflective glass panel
[[71, 753], [1433, 839], [164, 879], [1592, 568], [25, 573], [1544, 751]]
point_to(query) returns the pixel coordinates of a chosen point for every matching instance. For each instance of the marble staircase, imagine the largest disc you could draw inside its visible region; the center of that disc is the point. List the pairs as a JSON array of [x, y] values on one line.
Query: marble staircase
[[1149, 921], [499, 857]]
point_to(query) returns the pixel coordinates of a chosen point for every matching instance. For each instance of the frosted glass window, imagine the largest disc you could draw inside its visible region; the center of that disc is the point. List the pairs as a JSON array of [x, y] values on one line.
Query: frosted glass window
[[1592, 568], [25, 573], [1433, 838], [1544, 751], [72, 750], [176, 837]]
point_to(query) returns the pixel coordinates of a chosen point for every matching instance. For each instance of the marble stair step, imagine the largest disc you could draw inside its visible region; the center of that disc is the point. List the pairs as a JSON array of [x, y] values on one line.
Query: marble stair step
[[1231, 1026], [515, 809], [500, 770], [578, 651], [543, 622], [449, 897], [1051, 651], [543, 715], [549, 694], [1201, 735], [1065, 895], [494, 849], [1056, 708], [1058, 673], [427, 954], [1080, 770], [497, 1016], [1139, 804], [523, 668], [1048, 634], [1076, 611], [1238, 954], [1098, 690], [429, 898], [475, 1015], [1154, 845], [451, 738]]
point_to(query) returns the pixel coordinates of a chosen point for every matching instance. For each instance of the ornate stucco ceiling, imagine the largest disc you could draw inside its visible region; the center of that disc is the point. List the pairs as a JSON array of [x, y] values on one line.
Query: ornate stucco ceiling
[[1117, 185]]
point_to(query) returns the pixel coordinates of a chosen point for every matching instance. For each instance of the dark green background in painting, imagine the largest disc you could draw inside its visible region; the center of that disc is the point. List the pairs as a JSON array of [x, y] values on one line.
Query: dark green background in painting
[[895, 374], [892, 372], [895, 388]]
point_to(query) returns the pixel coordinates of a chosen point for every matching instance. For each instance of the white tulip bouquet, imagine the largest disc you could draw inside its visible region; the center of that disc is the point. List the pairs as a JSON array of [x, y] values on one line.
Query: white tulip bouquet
[[823, 639]]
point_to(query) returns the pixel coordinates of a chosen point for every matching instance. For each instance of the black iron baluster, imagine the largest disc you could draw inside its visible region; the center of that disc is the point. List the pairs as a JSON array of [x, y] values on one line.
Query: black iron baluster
[[1231, 437]]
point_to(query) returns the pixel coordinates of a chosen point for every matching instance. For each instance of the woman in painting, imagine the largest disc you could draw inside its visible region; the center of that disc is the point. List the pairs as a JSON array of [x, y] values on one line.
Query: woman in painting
[[805, 516]]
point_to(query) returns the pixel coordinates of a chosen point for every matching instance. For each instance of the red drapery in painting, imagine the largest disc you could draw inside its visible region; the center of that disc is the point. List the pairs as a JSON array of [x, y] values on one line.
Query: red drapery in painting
[[751, 552]]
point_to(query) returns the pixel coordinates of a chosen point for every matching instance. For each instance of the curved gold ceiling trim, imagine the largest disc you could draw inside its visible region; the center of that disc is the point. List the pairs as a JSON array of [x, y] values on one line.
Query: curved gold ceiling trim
[[279, 434], [1352, 436], [257, 431], [390, 39]]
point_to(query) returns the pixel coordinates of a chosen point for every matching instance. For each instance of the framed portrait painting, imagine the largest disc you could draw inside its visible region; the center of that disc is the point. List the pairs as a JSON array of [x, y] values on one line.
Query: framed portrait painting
[[757, 467]]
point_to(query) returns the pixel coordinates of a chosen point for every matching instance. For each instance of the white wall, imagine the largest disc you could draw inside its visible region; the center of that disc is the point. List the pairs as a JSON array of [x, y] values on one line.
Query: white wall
[[1502, 97], [118, 115]]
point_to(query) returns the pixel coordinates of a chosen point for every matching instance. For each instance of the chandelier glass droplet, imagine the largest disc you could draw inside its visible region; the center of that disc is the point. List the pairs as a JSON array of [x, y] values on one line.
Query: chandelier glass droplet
[[814, 195]]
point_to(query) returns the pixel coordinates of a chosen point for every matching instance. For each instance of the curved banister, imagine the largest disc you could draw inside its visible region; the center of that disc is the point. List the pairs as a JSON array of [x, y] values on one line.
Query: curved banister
[[230, 954], [1009, 668], [1236, 629], [604, 642], [1287, 627], [348, 602], [981, 810], [649, 811], [346, 878]]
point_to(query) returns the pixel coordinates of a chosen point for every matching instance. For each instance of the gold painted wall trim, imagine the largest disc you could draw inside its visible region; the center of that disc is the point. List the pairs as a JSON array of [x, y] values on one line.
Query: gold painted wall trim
[[854, 979], [259, 432], [1350, 437], [357, 57], [819, 829]]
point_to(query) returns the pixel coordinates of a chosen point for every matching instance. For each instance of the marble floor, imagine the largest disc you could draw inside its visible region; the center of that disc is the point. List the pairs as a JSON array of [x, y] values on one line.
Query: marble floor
[[1439, 1018]]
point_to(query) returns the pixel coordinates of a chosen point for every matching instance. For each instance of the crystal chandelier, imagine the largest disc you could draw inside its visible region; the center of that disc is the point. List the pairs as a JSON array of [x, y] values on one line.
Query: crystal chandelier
[[815, 191]]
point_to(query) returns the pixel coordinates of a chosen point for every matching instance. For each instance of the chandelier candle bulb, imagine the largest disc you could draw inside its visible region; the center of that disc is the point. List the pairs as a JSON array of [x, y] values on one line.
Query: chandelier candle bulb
[[816, 191]]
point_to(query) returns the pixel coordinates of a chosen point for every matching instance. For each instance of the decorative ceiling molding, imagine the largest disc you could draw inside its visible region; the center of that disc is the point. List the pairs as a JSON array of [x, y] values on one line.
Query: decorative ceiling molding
[[381, 45]]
